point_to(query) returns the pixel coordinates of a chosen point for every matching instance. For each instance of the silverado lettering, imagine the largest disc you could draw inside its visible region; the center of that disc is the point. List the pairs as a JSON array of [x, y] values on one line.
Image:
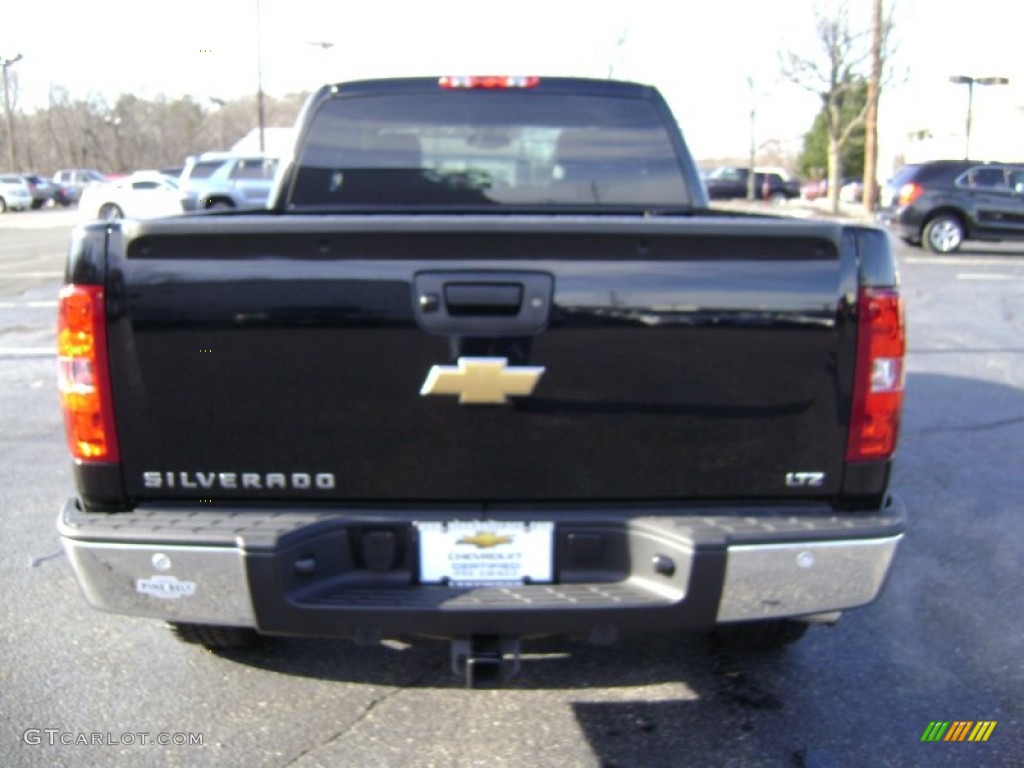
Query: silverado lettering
[[323, 481], [566, 396]]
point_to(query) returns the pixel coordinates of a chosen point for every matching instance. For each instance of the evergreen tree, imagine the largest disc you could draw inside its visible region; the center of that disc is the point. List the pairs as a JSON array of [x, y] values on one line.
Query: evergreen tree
[[813, 161]]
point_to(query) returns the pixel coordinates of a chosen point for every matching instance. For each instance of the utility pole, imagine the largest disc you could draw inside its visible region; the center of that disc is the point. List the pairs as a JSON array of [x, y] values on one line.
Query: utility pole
[[7, 64], [871, 116]]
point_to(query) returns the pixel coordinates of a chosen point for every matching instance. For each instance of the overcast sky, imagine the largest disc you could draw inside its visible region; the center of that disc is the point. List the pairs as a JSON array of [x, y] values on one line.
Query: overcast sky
[[699, 53]]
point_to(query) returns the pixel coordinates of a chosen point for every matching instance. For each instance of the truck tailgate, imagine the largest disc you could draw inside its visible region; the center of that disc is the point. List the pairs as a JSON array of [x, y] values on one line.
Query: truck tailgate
[[271, 357]]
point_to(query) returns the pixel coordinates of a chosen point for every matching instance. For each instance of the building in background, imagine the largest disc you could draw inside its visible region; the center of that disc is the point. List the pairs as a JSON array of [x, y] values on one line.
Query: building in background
[[935, 127], [278, 142]]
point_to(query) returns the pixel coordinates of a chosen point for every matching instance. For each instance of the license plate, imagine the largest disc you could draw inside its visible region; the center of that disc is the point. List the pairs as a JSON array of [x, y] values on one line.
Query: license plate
[[473, 552]]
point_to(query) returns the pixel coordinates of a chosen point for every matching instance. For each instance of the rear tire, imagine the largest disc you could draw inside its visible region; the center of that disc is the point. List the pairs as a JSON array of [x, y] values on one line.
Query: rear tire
[[215, 637], [3, 205], [760, 635], [943, 234]]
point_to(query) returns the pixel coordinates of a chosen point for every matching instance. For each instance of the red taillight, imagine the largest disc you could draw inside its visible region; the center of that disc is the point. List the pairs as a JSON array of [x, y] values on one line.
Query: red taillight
[[878, 385], [488, 81], [82, 378], [908, 193]]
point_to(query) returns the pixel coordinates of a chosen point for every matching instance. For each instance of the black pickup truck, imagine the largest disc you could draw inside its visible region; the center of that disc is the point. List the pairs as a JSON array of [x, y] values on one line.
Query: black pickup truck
[[730, 183], [487, 368]]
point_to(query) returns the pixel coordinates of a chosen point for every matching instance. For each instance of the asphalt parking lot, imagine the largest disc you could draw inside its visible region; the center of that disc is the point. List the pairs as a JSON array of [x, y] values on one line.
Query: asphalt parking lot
[[944, 642]]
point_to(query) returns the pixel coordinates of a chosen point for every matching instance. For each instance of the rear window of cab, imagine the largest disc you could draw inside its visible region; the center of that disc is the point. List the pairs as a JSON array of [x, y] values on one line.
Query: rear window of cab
[[489, 149]]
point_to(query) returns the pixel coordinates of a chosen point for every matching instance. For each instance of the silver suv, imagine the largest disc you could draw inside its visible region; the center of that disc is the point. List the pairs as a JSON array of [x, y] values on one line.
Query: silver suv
[[217, 180], [74, 180]]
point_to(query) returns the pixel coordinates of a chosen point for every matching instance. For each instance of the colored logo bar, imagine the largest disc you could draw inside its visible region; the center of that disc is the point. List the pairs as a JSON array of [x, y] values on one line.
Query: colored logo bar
[[958, 730]]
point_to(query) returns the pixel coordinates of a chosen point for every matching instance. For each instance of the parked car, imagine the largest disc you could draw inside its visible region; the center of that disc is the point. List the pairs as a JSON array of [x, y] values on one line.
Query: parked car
[[943, 203], [730, 183], [850, 189], [142, 195], [43, 190], [218, 180], [14, 193], [813, 189], [74, 180], [64, 195]]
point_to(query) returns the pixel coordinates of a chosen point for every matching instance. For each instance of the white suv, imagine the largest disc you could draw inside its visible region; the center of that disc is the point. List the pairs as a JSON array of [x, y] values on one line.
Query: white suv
[[14, 193], [216, 180]]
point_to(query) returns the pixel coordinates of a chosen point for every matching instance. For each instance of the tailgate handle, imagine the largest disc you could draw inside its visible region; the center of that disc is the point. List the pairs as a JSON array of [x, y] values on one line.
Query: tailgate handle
[[483, 298], [483, 303]]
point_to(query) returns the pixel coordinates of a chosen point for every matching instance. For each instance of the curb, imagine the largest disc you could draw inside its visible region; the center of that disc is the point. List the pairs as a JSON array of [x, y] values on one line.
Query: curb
[[804, 209]]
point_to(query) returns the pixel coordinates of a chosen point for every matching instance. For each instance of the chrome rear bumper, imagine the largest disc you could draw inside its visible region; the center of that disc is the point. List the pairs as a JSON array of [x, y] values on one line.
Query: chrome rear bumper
[[204, 585], [295, 573]]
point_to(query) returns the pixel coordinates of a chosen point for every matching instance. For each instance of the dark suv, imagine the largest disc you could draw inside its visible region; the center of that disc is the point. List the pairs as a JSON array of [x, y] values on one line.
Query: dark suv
[[942, 203]]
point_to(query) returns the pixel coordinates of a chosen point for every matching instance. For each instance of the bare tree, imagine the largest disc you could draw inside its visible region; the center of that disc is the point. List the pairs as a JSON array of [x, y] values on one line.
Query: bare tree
[[135, 133], [10, 89], [75, 132], [837, 68]]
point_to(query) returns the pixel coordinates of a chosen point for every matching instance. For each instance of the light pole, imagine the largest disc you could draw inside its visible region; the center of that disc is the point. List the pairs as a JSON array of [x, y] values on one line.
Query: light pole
[[259, 77], [323, 58], [751, 176], [114, 121], [623, 37], [220, 104], [7, 64], [970, 83]]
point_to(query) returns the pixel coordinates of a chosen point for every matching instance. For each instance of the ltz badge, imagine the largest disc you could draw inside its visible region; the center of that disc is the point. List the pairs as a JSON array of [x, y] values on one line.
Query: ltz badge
[[482, 380]]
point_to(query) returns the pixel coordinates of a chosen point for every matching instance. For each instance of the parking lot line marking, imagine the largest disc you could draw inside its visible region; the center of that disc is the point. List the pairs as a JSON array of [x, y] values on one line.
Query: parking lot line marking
[[28, 304], [29, 275], [987, 276], [963, 261], [28, 352]]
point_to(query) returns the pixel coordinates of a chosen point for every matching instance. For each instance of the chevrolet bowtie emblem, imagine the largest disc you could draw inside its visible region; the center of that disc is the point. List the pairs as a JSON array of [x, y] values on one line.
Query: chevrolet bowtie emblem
[[482, 380], [485, 540]]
